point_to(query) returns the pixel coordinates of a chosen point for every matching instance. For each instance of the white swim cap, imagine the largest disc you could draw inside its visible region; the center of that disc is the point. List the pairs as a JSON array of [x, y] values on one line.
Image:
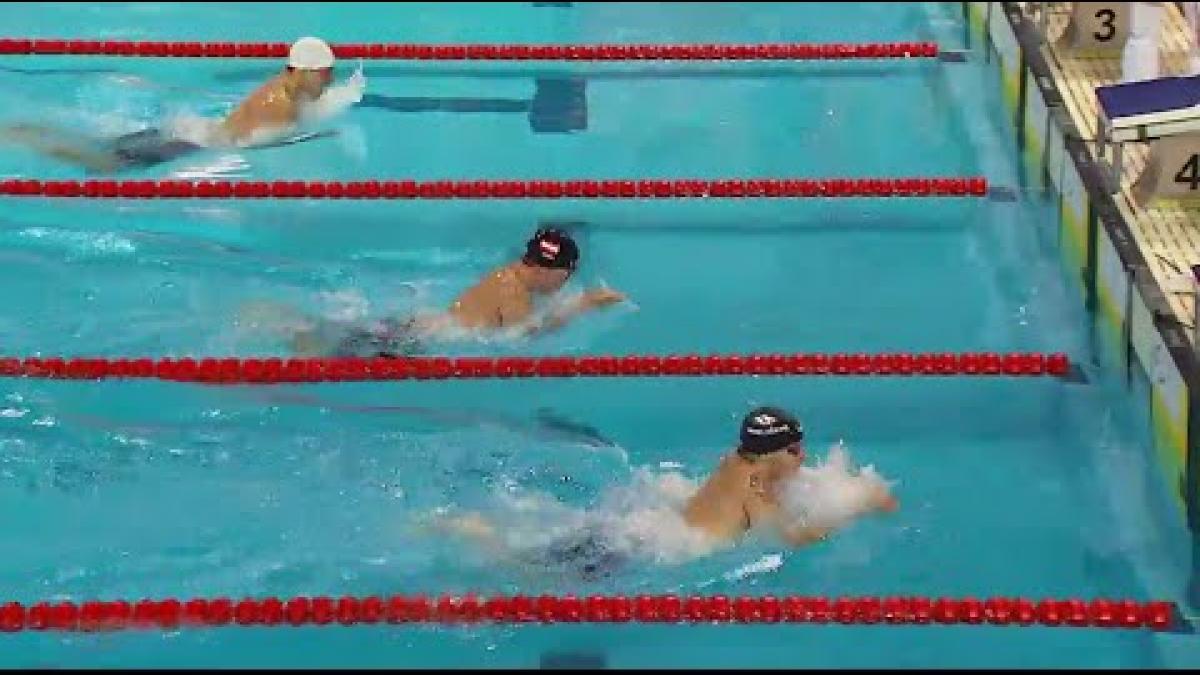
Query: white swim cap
[[310, 53]]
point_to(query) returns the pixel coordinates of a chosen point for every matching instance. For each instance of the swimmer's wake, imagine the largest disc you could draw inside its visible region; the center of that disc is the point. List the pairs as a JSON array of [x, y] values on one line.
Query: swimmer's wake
[[547, 423], [298, 138]]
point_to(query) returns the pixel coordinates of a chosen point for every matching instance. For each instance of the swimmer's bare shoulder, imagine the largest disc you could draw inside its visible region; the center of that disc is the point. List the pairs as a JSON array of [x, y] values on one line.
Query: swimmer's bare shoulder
[[718, 507], [498, 300], [270, 106]]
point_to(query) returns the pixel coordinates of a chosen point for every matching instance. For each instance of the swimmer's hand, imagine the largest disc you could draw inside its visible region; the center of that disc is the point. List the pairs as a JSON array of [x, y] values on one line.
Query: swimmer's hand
[[601, 297], [357, 83], [562, 315], [887, 503], [336, 99], [882, 500], [471, 525]]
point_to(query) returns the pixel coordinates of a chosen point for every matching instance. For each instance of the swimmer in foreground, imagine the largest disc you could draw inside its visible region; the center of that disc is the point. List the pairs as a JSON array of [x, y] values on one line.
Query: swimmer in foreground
[[505, 299], [746, 493], [275, 108]]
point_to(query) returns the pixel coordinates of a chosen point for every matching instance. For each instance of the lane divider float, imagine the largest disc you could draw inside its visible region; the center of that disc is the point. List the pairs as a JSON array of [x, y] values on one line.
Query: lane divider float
[[481, 52], [213, 370], [172, 614], [730, 188]]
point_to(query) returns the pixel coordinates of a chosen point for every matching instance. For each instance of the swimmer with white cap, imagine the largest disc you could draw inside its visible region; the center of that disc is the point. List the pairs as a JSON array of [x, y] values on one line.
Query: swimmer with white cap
[[271, 110], [279, 103]]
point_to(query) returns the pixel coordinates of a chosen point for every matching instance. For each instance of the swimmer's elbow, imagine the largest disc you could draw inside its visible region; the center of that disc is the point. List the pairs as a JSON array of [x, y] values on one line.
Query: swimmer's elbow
[[548, 325], [555, 320], [805, 536], [232, 131], [532, 326]]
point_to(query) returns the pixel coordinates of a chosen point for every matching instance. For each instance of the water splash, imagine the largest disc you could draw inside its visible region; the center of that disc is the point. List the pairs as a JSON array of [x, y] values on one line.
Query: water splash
[[641, 519], [336, 99], [346, 305], [764, 565], [833, 493], [100, 243]]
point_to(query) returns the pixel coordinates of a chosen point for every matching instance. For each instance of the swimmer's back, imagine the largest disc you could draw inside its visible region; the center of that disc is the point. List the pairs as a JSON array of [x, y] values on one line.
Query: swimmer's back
[[497, 301], [268, 107]]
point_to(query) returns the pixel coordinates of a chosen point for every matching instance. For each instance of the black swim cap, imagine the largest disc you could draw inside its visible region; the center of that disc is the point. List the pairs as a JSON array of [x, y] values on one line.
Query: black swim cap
[[552, 248], [769, 429]]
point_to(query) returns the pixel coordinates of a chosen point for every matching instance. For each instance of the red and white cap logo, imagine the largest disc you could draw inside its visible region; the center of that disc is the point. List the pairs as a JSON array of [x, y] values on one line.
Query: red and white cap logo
[[549, 248]]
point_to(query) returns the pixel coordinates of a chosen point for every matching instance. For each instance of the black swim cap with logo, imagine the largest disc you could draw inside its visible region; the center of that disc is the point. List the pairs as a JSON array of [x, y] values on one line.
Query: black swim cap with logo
[[769, 429], [552, 248]]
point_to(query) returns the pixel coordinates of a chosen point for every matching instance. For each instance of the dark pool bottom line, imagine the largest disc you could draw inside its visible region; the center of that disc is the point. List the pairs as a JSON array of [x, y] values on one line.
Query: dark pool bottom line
[[172, 614], [558, 105]]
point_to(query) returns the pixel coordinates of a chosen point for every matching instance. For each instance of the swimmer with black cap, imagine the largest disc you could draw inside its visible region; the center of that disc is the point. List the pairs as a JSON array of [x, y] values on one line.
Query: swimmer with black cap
[[506, 298], [743, 494], [271, 110]]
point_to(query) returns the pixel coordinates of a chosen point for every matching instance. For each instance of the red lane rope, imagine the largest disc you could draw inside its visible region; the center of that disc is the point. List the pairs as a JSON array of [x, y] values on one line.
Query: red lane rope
[[352, 369], [484, 52], [347, 611], [736, 188]]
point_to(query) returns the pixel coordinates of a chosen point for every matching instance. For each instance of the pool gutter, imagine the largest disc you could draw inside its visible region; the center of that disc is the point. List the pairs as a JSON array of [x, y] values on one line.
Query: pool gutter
[[1098, 250]]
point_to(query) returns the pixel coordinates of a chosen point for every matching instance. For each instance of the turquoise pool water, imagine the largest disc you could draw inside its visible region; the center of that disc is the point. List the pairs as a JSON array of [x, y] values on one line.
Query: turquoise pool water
[[151, 489]]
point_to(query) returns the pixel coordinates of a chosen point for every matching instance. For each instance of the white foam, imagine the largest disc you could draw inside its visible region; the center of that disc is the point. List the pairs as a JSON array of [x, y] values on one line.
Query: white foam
[[195, 129], [346, 305], [764, 565], [208, 132], [646, 518], [833, 493], [224, 166], [83, 242], [643, 518], [336, 99]]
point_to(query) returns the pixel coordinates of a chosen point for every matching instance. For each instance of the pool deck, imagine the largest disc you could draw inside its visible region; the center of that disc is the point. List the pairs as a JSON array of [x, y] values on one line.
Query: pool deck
[[1168, 233]]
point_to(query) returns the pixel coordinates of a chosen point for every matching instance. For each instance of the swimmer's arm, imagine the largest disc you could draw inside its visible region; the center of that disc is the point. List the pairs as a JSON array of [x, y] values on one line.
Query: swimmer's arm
[[762, 511], [555, 319], [572, 309], [800, 535], [804, 536]]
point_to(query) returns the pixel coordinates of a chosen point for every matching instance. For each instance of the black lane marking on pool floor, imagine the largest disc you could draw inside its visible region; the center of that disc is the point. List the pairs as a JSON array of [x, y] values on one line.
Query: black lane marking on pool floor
[[572, 661], [559, 105], [414, 104], [1002, 194]]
